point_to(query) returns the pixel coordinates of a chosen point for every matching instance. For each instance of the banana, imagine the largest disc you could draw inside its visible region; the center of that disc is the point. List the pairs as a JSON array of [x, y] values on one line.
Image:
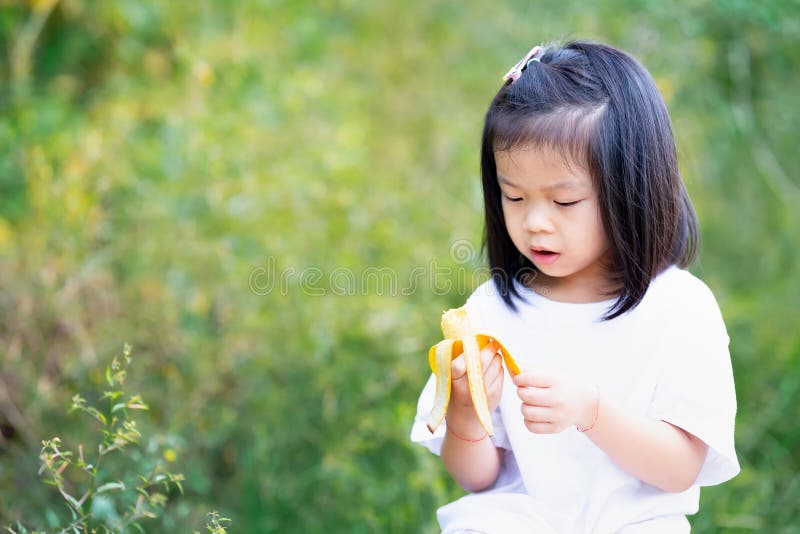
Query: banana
[[459, 337]]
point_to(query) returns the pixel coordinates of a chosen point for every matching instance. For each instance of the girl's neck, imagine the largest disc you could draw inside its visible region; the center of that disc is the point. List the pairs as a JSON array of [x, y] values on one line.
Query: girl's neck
[[572, 291]]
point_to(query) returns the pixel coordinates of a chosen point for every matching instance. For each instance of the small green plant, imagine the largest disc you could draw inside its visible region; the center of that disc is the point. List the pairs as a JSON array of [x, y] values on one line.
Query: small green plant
[[99, 502], [215, 523]]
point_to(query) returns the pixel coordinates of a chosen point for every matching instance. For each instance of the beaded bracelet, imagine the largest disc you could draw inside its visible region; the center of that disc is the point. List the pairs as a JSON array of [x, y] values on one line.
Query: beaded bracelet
[[449, 429], [596, 411]]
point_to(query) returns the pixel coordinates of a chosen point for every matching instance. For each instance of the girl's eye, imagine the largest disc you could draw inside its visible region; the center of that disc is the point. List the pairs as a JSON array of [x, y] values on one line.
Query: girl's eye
[[512, 199], [565, 204]]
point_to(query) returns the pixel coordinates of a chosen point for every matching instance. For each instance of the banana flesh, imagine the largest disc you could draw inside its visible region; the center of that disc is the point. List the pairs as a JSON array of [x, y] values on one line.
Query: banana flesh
[[459, 337]]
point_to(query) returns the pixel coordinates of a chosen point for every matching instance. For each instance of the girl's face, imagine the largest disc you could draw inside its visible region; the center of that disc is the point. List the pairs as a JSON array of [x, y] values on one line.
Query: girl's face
[[552, 214]]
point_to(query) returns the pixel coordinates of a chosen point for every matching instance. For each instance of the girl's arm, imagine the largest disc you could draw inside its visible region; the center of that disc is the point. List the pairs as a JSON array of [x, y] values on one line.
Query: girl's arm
[[468, 453], [655, 452], [473, 465]]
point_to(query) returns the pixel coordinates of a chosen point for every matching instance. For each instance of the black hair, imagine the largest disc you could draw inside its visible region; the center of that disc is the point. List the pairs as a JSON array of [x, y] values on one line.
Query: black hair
[[598, 106]]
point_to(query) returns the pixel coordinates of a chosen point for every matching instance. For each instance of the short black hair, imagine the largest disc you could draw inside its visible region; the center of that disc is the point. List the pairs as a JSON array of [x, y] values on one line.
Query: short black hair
[[597, 106]]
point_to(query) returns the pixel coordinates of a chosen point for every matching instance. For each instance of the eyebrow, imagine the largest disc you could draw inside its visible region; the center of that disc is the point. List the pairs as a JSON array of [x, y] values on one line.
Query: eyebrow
[[563, 184]]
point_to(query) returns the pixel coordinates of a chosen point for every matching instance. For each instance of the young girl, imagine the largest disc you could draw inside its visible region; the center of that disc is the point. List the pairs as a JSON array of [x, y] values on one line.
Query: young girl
[[625, 405]]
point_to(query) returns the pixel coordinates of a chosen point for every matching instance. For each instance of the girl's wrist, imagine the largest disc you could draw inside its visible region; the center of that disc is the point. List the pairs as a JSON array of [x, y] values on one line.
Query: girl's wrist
[[592, 412], [458, 436], [465, 428]]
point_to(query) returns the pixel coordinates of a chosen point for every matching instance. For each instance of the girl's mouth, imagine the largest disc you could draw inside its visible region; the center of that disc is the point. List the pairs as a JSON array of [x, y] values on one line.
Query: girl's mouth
[[544, 257]]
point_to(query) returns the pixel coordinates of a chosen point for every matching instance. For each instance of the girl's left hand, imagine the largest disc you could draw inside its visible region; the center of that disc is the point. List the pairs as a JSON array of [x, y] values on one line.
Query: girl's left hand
[[553, 402]]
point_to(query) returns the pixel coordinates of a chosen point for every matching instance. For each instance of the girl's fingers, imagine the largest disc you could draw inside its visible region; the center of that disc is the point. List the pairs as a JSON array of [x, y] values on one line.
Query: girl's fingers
[[534, 377], [488, 352], [459, 368], [490, 360], [459, 365], [493, 376], [492, 366], [543, 428], [493, 369], [534, 396], [536, 414]]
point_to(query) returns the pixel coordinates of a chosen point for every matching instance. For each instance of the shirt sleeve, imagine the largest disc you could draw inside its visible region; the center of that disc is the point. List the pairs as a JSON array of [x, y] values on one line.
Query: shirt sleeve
[[695, 390], [419, 430]]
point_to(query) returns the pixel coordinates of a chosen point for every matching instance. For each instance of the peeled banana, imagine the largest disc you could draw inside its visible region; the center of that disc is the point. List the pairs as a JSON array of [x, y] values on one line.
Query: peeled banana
[[459, 337]]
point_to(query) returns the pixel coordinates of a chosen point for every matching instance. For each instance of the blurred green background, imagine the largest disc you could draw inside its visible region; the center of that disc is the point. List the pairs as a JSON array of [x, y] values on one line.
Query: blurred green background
[[163, 164]]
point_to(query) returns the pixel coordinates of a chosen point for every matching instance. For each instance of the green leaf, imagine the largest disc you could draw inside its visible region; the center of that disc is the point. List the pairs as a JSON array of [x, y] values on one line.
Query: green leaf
[[111, 486], [72, 501], [96, 414]]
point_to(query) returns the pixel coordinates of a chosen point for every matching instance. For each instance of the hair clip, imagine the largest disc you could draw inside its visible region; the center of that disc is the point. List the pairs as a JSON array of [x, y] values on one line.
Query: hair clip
[[517, 69]]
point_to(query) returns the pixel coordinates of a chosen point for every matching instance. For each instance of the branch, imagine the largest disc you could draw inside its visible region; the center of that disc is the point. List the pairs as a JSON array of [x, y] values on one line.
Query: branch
[[22, 49], [14, 416]]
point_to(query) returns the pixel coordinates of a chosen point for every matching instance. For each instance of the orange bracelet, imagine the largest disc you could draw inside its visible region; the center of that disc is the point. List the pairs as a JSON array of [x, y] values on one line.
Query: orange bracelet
[[596, 411], [449, 429]]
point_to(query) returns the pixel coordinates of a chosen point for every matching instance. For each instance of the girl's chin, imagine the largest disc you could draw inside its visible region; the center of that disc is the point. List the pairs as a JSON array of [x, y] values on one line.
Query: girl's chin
[[545, 274]]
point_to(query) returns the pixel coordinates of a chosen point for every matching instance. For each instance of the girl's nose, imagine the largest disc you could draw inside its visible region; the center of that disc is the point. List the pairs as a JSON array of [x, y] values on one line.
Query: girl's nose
[[537, 220]]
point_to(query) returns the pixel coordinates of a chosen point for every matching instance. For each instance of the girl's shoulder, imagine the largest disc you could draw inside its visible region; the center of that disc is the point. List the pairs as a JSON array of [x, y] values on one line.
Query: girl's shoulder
[[680, 286], [481, 297], [486, 290], [686, 298]]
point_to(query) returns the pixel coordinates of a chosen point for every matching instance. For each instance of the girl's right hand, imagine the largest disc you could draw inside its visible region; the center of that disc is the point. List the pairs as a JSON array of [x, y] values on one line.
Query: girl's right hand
[[461, 407]]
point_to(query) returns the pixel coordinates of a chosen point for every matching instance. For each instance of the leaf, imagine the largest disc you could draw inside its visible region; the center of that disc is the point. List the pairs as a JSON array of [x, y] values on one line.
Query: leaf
[[136, 403], [72, 501], [111, 486], [96, 414], [78, 403]]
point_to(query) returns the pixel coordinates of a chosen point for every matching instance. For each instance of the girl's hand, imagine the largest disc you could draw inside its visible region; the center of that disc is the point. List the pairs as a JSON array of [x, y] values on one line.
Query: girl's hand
[[460, 399], [552, 402]]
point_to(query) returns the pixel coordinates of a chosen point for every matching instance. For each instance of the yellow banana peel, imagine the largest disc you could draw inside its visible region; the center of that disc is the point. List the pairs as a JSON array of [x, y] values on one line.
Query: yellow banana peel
[[459, 337]]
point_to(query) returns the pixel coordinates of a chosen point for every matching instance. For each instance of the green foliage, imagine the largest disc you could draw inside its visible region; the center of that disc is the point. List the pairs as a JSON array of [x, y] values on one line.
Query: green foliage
[[171, 171], [104, 494], [215, 523]]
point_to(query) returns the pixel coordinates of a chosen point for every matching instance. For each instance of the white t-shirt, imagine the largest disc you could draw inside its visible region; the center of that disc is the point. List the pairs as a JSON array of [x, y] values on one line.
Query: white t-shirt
[[666, 359]]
